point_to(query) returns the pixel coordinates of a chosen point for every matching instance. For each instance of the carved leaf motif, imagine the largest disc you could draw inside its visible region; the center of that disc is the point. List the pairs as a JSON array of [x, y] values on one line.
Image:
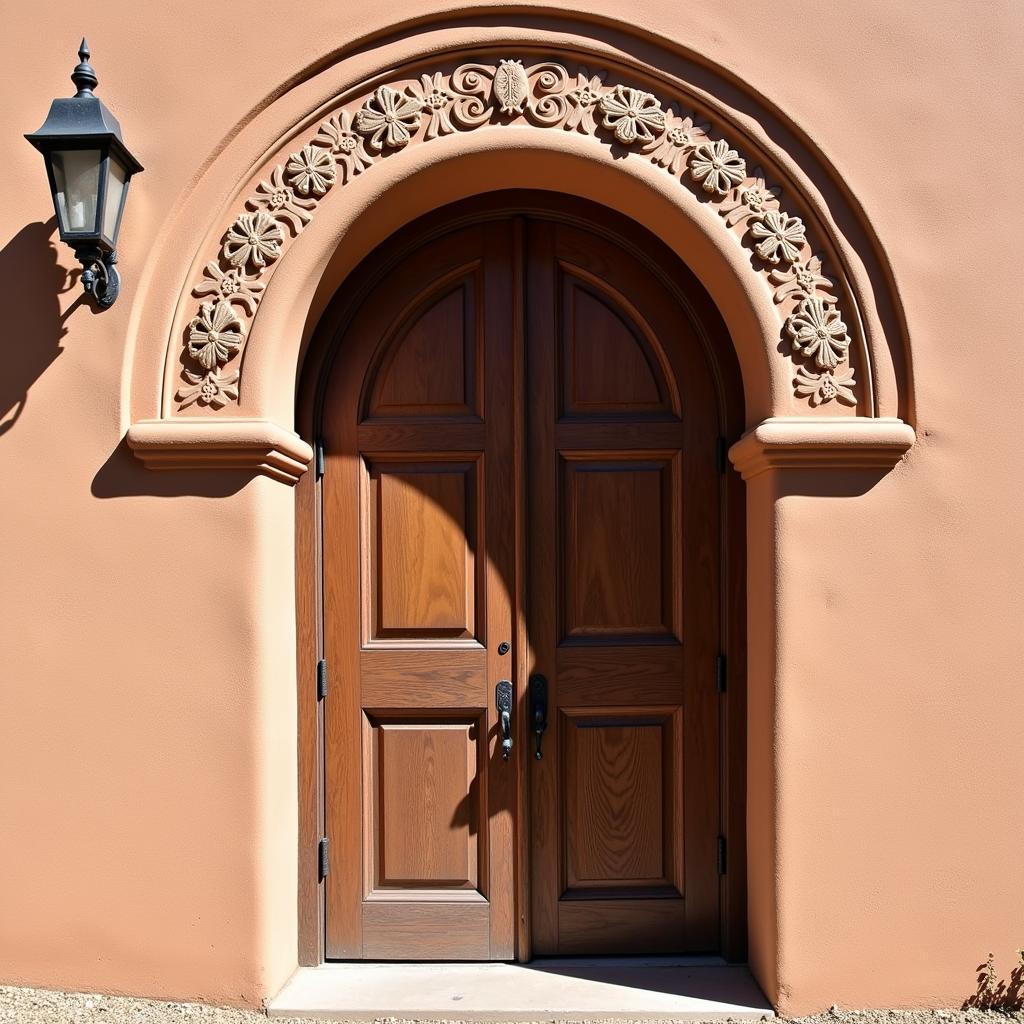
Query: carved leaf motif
[[800, 280], [278, 199], [344, 143], [750, 199], [819, 388], [583, 102], [511, 86], [234, 285], [208, 389], [680, 138]]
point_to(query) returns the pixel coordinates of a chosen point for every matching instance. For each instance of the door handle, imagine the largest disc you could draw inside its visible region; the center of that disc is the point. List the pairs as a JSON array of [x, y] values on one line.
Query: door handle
[[538, 710], [503, 702]]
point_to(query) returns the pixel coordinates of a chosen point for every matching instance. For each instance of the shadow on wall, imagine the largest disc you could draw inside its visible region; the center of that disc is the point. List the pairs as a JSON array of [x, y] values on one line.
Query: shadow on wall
[[995, 993], [123, 476], [34, 324]]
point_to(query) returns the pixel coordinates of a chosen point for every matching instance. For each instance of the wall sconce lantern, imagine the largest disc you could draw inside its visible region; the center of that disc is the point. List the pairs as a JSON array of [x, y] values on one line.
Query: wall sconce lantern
[[89, 168]]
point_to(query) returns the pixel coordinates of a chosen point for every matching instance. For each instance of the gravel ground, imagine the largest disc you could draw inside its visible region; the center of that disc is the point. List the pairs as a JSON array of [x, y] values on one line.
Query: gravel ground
[[38, 1006]]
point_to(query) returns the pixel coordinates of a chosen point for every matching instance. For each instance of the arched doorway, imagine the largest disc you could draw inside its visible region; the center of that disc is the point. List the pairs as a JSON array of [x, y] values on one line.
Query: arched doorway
[[523, 403]]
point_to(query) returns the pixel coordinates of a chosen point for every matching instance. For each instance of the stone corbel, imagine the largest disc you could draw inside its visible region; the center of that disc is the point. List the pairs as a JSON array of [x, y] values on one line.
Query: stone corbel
[[259, 446], [834, 443]]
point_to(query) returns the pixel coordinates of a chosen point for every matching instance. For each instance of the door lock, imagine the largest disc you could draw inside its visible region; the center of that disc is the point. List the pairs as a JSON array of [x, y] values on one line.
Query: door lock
[[503, 702], [538, 710]]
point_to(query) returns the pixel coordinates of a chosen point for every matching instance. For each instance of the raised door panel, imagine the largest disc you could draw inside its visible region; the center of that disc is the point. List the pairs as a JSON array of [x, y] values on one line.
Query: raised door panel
[[622, 785], [420, 551], [619, 548], [608, 363], [424, 777], [430, 367]]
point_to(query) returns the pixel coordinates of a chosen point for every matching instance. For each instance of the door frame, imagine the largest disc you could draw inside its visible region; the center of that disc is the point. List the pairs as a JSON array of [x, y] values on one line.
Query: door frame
[[709, 324]]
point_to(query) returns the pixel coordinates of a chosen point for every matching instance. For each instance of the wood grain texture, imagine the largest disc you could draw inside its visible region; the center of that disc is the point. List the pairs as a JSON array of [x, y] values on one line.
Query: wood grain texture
[[439, 678], [430, 870], [422, 549], [426, 931], [617, 544], [623, 927], [639, 675], [310, 726], [430, 368], [623, 503], [425, 784], [606, 363], [621, 777], [379, 438]]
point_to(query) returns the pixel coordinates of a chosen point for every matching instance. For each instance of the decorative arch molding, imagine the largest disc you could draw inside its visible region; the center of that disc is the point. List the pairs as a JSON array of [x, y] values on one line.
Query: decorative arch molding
[[820, 349]]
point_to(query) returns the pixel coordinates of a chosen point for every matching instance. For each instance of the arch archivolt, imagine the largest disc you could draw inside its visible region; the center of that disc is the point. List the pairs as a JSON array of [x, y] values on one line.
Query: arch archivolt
[[823, 351]]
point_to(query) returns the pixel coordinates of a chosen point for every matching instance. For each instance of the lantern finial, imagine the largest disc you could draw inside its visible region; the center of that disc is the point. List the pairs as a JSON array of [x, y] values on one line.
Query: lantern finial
[[84, 76]]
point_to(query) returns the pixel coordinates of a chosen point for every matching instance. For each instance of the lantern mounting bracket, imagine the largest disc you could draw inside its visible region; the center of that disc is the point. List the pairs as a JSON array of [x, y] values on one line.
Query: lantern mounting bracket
[[100, 278]]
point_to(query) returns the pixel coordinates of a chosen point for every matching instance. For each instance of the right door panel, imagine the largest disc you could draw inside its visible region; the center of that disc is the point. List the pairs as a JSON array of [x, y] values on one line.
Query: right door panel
[[623, 604]]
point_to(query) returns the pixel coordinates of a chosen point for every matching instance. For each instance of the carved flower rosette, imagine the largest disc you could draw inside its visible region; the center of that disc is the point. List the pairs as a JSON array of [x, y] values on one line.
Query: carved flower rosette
[[624, 117]]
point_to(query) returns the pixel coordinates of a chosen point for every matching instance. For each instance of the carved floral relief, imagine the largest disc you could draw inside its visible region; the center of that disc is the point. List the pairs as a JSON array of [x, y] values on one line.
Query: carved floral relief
[[545, 94]]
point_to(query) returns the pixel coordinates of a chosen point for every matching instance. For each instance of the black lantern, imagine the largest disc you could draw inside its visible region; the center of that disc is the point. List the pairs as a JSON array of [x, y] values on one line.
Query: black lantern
[[89, 168]]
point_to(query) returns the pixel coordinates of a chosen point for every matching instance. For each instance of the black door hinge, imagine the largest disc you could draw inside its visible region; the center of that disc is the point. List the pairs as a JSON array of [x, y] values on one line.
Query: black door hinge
[[319, 459], [722, 862], [322, 859], [321, 679], [721, 673], [723, 455]]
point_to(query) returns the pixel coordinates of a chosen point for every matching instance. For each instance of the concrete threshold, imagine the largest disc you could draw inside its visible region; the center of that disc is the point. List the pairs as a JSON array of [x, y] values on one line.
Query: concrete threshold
[[656, 988]]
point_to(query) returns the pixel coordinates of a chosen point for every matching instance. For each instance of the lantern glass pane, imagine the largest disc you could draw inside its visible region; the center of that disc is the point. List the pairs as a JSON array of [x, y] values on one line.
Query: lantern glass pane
[[116, 178], [76, 173]]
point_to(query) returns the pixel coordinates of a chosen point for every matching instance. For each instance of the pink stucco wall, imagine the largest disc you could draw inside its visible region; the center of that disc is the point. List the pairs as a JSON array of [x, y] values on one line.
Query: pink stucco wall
[[147, 706]]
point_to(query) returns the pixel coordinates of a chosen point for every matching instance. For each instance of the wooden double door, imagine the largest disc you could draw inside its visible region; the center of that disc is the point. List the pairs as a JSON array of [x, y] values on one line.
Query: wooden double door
[[520, 513]]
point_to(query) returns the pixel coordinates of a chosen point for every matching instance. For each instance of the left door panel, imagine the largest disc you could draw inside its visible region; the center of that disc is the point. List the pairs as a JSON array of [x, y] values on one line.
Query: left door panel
[[418, 549]]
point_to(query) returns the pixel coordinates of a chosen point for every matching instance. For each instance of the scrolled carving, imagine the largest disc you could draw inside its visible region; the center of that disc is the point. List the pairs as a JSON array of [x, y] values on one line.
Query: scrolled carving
[[550, 106], [471, 84], [546, 94]]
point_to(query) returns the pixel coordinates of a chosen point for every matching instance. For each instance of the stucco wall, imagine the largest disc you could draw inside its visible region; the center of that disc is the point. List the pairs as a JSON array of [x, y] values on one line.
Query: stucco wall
[[147, 720]]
